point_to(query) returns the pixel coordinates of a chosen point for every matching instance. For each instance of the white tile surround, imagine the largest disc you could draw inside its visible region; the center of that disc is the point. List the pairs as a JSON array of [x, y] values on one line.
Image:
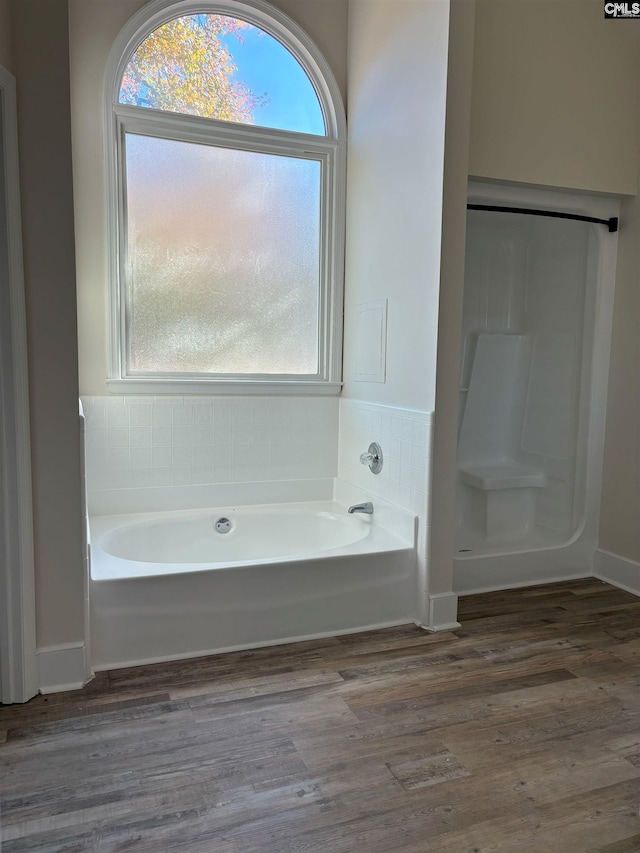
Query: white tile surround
[[150, 449], [140, 442], [406, 439]]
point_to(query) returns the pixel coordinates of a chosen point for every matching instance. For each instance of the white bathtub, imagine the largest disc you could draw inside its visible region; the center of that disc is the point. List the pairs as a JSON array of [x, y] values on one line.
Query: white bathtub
[[167, 585], [163, 543]]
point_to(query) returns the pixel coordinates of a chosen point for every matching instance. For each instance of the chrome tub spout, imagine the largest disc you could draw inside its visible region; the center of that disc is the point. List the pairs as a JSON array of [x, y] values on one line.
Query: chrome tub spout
[[365, 507]]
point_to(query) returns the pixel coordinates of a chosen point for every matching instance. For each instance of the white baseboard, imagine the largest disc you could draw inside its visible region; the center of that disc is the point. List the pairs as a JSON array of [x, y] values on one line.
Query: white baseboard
[[63, 667], [617, 570], [443, 612]]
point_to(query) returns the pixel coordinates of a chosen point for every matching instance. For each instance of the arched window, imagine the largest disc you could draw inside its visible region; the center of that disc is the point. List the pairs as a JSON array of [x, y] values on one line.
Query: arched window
[[225, 151]]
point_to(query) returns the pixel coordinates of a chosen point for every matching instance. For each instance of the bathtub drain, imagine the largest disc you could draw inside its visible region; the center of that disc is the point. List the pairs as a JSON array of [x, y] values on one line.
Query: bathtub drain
[[223, 525]]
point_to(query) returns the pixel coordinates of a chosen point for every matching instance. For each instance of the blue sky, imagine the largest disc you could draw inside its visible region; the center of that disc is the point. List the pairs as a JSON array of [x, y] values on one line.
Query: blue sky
[[265, 66]]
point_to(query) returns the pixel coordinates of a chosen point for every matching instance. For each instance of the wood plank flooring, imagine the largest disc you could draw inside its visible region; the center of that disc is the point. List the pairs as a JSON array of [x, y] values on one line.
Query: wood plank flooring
[[518, 733]]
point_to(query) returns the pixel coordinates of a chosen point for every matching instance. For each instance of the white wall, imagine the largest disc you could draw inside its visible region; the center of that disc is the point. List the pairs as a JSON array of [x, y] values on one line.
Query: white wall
[[397, 95], [555, 88], [92, 29], [461, 37], [397, 90]]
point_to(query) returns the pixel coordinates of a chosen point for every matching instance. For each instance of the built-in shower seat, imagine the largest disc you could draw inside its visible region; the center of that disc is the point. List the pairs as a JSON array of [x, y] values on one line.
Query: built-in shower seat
[[502, 475], [506, 492]]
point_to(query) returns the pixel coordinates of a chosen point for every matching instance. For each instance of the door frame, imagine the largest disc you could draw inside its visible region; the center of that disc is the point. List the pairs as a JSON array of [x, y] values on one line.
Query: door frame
[[18, 663]]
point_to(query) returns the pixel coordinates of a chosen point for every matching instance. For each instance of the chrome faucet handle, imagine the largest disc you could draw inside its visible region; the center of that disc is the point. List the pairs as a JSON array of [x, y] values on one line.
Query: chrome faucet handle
[[373, 458]]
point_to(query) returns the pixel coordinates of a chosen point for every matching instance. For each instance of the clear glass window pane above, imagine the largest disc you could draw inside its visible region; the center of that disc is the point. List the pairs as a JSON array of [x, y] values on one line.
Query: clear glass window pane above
[[223, 68], [223, 259]]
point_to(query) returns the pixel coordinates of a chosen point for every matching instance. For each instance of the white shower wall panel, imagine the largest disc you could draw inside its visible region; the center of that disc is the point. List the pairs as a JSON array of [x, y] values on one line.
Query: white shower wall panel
[[549, 280], [560, 285], [528, 276], [493, 298], [548, 419], [496, 396]]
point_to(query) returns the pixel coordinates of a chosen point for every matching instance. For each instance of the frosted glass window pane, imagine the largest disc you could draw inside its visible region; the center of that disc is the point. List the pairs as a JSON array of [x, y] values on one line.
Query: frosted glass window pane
[[223, 261], [222, 68]]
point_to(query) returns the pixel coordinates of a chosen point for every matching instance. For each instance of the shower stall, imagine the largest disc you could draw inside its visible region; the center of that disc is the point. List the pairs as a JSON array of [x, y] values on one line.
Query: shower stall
[[535, 345]]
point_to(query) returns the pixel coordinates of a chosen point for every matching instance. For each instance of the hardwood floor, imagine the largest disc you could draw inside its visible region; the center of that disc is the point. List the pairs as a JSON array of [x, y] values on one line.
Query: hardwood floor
[[518, 733]]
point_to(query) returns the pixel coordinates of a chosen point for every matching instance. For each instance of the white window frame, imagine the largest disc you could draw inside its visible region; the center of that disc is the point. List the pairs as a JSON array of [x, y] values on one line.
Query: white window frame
[[329, 150]]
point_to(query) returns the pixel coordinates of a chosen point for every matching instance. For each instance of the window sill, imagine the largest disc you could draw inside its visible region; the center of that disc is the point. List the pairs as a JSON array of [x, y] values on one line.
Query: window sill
[[225, 387]]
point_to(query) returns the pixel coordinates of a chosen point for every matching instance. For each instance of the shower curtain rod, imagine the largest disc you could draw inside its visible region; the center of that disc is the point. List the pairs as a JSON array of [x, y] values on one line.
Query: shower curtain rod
[[612, 223]]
